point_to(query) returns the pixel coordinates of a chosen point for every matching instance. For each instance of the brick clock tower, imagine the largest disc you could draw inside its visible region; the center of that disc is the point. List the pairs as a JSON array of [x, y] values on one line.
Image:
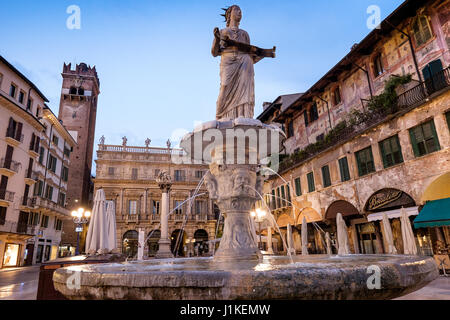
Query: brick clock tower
[[78, 112]]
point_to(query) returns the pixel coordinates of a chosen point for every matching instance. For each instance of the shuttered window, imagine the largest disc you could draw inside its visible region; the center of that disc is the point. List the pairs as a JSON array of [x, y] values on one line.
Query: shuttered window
[[424, 139], [283, 196], [343, 168], [311, 183], [391, 151], [298, 187], [364, 158], [326, 176]]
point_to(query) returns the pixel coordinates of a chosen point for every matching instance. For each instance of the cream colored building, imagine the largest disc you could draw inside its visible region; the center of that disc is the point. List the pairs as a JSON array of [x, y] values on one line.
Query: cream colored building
[[30, 222], [128, 175]]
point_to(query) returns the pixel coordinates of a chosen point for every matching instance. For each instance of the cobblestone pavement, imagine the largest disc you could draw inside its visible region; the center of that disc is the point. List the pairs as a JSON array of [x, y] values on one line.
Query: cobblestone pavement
[[22, 283], [19, 283], [439, 289]]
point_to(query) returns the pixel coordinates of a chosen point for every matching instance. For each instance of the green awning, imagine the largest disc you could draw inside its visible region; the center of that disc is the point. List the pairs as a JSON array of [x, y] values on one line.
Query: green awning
[[434, 214]]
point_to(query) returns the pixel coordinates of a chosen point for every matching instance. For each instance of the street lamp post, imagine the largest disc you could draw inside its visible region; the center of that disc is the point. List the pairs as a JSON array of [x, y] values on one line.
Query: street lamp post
[[259, 215], [80, 218]]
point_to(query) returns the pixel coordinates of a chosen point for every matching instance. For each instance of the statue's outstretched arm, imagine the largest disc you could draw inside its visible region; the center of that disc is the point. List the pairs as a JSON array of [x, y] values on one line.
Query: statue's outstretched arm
[[215, 51]]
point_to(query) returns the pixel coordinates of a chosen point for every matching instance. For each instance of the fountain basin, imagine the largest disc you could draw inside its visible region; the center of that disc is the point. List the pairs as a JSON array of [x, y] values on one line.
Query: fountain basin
[[308, 278]]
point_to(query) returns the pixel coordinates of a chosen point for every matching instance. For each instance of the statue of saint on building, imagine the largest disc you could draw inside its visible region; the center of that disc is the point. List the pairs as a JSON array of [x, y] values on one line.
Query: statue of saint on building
[[237, 83], [124, 141], [102, 140]]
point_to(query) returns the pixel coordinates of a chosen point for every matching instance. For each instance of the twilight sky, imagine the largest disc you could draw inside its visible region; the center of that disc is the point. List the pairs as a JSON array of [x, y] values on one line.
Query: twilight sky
[[153, 58]]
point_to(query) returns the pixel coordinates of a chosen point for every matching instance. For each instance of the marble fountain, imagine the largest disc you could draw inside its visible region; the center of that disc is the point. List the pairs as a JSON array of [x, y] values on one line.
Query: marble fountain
[[235, 146]]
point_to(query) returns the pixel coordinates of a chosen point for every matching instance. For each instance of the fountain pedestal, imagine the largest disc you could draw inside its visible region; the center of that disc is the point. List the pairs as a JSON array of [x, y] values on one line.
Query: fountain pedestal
[[234, 179]]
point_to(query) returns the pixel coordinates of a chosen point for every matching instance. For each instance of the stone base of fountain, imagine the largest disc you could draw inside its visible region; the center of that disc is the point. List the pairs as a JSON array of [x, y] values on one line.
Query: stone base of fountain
[[308, 278]]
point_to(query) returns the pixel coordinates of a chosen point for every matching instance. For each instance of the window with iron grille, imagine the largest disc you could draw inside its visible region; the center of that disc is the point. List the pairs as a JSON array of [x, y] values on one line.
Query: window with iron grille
[[311, 182], [424, 139], [391, 151], [111, 171], [364, 159]]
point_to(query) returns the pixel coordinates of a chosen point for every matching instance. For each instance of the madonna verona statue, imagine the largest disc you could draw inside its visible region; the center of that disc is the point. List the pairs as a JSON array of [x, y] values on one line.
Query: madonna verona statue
[[237, 83]]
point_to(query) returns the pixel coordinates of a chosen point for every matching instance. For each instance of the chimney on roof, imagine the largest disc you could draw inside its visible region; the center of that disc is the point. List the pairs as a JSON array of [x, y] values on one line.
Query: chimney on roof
[[266, 105]]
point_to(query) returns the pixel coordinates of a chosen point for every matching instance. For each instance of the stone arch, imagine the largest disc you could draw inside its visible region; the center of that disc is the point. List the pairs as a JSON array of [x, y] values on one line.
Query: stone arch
[[153, 242], [340, 206], [310, 214], [284, 219], [178, 240], [437, 189], [388, 199], [130, 243], [201, 241]]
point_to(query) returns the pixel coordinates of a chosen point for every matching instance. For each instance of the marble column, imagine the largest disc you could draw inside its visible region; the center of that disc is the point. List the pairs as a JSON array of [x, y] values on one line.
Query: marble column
[[165, 183], [141, 245], [269, 240]]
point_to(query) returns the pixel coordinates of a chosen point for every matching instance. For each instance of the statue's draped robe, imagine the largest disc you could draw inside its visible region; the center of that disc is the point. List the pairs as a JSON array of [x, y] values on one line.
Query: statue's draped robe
[[237, 79]]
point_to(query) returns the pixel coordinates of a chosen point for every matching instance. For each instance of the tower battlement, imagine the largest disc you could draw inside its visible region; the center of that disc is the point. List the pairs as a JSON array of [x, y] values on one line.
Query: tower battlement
[[81, 69]]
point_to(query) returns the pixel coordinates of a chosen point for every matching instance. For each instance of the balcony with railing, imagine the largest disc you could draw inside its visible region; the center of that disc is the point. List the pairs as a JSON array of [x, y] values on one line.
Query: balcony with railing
[[9, 167], [6, 195], [8, 227], [48, 206], [28, 202], [346, 131], [14, 137], [132, 149]]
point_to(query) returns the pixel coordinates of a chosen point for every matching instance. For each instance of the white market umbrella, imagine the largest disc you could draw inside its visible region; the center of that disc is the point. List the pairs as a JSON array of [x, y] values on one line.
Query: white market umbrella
[[304, 237], [111, 225], [290, 239], [328, 242], [97, 235], [409, 241], [388, 234], [342, 236]]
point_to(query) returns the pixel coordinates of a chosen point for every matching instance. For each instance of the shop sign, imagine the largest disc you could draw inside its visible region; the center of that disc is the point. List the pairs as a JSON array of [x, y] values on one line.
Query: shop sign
[[381, 199]]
